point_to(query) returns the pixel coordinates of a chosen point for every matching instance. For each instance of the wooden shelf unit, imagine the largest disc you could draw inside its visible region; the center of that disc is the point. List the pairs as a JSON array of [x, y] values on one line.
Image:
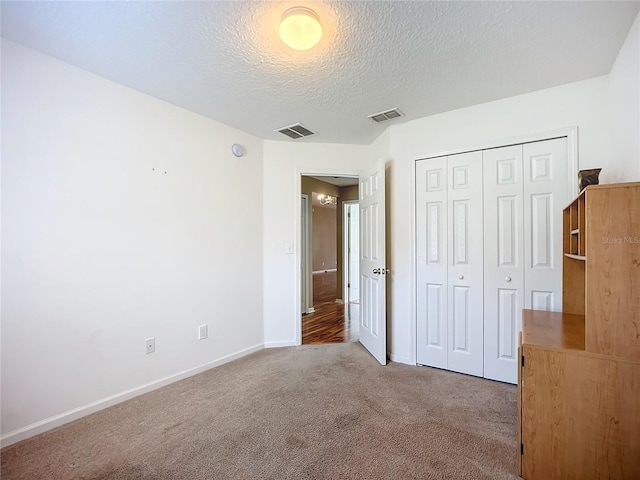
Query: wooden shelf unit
[[579, 380]]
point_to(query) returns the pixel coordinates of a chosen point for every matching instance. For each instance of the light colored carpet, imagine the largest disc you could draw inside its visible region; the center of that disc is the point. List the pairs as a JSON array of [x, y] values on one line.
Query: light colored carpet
[[310, 412]]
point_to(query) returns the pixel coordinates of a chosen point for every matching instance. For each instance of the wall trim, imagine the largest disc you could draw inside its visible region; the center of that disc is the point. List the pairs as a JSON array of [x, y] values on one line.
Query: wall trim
[[400, 359], [76, 413], [290, 343]]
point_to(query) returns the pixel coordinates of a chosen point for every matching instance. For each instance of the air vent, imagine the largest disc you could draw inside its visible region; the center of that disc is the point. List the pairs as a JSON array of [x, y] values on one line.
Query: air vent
[[384, 116], [295, 131]]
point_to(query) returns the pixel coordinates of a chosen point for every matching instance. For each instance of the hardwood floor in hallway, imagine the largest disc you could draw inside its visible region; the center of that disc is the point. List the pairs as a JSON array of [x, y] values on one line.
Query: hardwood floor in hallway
[[331, 322]]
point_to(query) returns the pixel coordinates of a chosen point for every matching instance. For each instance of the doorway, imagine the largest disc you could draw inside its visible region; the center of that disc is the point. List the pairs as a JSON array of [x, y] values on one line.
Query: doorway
[[329, 314]]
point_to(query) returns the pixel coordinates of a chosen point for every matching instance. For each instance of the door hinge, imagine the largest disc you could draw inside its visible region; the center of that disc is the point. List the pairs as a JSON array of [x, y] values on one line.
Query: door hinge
[[521, 449], [348, 285], [522, 362]]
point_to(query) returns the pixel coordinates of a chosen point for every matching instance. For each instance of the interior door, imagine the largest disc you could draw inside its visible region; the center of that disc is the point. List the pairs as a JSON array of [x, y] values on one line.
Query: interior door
[[545, 195], [431, 224], [373, 272], [503, 260], [465, 279], [450, 260]]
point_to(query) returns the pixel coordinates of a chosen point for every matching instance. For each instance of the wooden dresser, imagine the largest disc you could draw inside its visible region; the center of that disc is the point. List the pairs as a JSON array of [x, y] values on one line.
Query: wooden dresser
[[579, 379]]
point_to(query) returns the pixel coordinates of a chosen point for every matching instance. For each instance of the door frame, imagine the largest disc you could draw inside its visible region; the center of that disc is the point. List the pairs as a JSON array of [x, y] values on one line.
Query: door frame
[[316, 172], [571, 133], [346, 241]]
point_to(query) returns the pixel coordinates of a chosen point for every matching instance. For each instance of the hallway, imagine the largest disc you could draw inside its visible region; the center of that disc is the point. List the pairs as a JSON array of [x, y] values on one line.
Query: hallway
[[331, 322]]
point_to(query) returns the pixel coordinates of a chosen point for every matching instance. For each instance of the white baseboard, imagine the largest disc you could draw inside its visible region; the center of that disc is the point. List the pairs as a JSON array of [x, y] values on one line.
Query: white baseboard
[[66, 417], [280, 344], [400, 359], [340, 301], [311, 310]]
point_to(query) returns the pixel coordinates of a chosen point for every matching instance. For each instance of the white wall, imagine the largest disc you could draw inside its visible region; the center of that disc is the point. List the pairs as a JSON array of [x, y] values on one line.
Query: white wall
[[581, 104], [101, 251], [283, 163], [624, 109]]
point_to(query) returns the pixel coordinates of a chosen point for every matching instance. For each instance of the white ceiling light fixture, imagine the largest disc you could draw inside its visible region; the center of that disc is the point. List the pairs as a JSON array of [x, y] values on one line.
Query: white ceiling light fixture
[[300, 28]]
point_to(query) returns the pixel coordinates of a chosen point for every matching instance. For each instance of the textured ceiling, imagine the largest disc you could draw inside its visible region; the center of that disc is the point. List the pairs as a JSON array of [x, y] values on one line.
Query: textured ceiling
[[224, 60]]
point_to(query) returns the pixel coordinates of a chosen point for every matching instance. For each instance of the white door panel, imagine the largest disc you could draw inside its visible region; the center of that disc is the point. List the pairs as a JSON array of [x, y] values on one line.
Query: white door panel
[[464, 272], [545, 194], [431, 211], [373, 329], [503, 260]]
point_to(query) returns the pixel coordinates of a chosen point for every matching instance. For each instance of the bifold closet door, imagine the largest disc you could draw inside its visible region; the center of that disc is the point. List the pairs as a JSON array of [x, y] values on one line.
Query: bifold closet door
[[431, 246], [546, 193], [525, 189], [503, 260], [489, 233], [449, 242], [465, 290]]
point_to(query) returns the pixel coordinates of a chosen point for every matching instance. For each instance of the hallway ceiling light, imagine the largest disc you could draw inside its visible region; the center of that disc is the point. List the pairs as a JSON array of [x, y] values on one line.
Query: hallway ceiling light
[[300, 28], [327, 199]]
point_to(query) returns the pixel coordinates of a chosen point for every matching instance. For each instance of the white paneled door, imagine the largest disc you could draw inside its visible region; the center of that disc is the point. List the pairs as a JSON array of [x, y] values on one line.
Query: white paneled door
[[449, 208], [465, 263], [431, 224], [525, 189], [488, 245], [545, 195], [503, 260], [373, 271]]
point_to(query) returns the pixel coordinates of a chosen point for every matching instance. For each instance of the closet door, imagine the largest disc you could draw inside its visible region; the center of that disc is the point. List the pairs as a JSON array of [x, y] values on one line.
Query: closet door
[[477, 269], [503, 260], [431, 239], [545, 195], [465, 263]]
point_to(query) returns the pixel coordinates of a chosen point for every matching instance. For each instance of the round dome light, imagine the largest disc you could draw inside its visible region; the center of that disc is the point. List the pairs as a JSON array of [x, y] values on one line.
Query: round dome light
[[300, 28]]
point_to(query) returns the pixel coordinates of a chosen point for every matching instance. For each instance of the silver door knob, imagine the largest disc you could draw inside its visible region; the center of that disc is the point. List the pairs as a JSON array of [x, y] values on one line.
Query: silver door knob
[[461, 277], [508, 279]]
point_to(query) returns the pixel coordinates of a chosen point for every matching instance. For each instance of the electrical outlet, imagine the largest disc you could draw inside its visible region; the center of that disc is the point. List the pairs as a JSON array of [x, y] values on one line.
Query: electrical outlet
[[150, 344], [203, 332]]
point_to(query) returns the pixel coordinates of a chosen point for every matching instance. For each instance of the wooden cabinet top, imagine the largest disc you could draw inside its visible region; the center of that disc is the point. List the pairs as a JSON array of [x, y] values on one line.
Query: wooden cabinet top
[[553, 329], [604, 186]]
